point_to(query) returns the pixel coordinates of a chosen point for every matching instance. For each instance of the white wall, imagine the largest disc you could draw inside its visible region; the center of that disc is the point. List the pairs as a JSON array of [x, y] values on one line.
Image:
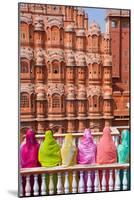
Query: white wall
[[9, 97]]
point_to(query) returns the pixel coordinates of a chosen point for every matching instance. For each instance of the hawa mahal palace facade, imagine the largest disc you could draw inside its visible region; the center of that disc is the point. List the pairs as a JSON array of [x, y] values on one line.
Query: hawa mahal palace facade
[[65, 70]]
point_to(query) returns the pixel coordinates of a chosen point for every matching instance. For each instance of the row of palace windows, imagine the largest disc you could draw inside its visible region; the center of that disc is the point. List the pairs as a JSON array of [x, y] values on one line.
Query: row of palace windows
[[55, 69], [56, 36], [56, 101]]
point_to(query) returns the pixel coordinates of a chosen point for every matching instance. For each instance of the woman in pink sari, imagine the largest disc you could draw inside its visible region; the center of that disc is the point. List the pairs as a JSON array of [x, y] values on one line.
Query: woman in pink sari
[[87, 152], [106, 149], [29, 151], [106, 152]]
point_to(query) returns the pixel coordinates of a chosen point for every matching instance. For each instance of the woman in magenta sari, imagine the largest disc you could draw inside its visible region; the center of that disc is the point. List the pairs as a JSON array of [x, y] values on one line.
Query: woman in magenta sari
[[87, 152], [86, 149], [29, 151]]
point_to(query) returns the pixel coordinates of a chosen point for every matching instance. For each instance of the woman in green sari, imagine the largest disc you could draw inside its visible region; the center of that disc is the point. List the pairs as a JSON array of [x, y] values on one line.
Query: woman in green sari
[[49, 155], [124, 147], [123, 151], [49, 151]]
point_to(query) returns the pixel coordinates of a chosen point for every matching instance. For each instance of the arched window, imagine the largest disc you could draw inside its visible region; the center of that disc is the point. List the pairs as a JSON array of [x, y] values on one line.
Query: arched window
[[24, 67], [24, 100], [55, 67], [95, 69], [56, 101], [95, 43], [24, 32], [55, 35], [95, 101]]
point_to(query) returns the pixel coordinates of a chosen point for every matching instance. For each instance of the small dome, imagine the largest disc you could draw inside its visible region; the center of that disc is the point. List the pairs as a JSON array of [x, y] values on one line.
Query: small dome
[[82, 93], [69, 28], [70, 60], [41, 96], [71, 93], [107, 61], [39, 24], [80, 33], [81, 60], [106, 36], [94, 28], [39, 58], [81, 11], [107, 93]]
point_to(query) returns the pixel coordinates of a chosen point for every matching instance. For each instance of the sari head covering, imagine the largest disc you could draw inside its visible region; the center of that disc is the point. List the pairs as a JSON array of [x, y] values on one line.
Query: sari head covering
[[124, 147], [29, 151], [106, 150], [49, 152], [68, 151], [86, 149]]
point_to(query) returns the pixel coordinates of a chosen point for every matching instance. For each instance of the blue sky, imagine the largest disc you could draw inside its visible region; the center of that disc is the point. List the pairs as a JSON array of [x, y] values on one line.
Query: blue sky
[[97, 14]]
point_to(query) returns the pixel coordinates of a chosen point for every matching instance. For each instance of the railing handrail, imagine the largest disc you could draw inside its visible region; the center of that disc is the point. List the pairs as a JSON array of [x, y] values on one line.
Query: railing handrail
[[56, 135], [77, 167], [75, 134]]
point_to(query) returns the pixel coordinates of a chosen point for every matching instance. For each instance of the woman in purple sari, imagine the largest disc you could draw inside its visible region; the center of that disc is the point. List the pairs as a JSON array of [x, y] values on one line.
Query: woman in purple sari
[[87, 152], [29, 151]]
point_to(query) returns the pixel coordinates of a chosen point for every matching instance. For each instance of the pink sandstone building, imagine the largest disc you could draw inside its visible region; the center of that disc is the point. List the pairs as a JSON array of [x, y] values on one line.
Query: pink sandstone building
[[65, 70], [118, 25]]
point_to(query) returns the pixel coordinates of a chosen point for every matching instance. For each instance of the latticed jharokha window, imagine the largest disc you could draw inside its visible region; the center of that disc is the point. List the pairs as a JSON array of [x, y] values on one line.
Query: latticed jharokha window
[[55, 35], [56, 101], [23, 36], [55, 67], [24, 100], [24, 67], [95, 101]]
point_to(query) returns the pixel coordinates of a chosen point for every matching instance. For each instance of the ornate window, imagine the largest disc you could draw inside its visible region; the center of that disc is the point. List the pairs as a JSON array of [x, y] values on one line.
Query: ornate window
[[55, 69], [95, 101], [55, 35], [55, 66], [95, 69], [24, 32], [23, 36], [56, 101], [24, 100], [24, 67], [95, 43]]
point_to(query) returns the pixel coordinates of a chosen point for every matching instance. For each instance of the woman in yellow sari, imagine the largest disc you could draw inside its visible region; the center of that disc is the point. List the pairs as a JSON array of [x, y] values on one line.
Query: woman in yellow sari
[[68, 154], [68, 151]]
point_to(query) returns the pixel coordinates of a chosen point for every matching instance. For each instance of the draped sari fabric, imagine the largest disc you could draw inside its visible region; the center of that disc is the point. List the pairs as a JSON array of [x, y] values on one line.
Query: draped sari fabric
[[87, 153], [87, 149], [68, 154], [68, 151], [49, 155], [106, 149], [124, 153], [124, 147], [106, 153], [49, 151], [29, 151]]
